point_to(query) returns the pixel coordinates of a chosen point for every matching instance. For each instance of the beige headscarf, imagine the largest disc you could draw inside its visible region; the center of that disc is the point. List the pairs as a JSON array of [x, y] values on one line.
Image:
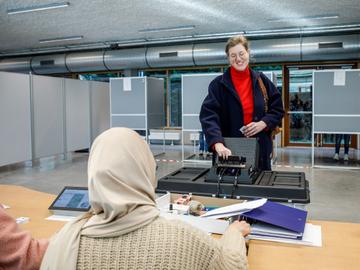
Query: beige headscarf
[[122, 181]]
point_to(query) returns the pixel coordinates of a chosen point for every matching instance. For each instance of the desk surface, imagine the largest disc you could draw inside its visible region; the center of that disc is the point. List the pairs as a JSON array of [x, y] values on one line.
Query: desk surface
[[26, 202], [341, 241]]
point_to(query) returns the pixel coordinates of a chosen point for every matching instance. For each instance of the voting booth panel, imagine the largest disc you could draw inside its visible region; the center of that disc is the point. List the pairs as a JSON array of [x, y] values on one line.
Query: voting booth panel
[[77, 107], [137, 103], [99, 107], [336, 109], [194, 89], [48, 116], [15, 143], [44, 116], [336, 98]]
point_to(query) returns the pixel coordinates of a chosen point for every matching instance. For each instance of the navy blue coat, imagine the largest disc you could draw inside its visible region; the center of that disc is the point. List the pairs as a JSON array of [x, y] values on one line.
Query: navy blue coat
[[222, 115]]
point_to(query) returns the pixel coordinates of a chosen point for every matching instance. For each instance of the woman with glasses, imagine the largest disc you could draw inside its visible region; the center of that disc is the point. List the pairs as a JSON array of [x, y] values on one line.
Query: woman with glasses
[[236, 106]]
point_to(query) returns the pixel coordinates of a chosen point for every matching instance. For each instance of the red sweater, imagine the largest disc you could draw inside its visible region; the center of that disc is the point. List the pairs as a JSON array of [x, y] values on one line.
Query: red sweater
[[18, 250], [243, 85]]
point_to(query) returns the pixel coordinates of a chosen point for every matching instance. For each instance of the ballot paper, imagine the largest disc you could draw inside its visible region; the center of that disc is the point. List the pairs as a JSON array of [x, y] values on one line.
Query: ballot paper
[[60, 218], [234, 209]]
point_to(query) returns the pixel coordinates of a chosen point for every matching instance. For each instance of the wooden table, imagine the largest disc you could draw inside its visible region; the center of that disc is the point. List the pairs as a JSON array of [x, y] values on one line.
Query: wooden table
[[341, 241], [25, 202]]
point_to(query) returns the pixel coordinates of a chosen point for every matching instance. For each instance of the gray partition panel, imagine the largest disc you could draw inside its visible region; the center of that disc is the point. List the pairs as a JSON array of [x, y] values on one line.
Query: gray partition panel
[[134, 122], [77, 100], [191, 122], [337, 124], [330, 99], [15, 143], [155, 103], [48, 108], [100, 108], [336, 107], [194, 90], [127, 102]]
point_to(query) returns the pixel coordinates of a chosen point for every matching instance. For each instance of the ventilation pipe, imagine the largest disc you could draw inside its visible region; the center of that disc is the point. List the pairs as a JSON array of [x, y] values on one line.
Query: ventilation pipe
[[316, 48]]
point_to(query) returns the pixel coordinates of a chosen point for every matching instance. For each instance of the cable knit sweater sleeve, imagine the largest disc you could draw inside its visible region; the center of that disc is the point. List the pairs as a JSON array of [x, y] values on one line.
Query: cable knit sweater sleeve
[[18, 250], [231, 252]]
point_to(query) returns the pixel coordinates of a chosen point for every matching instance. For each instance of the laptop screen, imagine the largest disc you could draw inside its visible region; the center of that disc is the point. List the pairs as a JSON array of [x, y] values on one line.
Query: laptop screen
[[72, 198]]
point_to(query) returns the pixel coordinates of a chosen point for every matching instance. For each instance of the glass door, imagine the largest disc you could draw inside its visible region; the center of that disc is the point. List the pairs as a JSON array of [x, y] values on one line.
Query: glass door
[[299, 109]]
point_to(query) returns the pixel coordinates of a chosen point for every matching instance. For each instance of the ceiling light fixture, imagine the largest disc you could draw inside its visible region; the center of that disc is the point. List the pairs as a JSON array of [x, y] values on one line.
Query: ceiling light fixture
[[178, 28], [317, 17], [37, 8], [51, 40]]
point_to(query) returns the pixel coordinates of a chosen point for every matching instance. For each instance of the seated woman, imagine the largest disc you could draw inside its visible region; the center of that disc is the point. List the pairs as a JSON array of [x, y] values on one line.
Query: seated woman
[[123, 229], [18, 250]]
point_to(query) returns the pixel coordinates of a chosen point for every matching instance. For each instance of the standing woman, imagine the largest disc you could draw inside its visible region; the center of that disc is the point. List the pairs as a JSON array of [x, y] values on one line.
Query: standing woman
[[235, 99]]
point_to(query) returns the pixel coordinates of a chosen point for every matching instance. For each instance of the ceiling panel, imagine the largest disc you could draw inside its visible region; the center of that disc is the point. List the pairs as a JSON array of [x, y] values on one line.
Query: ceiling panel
[[119, 20]]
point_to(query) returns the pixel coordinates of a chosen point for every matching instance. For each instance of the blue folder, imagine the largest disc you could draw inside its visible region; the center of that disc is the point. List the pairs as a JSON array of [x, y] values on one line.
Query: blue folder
[[279, 215]]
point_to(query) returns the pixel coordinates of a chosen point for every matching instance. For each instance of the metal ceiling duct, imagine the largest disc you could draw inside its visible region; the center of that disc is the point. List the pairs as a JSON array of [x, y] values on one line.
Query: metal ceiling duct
[[21, 65], [85, 61], [210, 54], [125, 59], [342, 47], [345, 47], [170, 56], [275, 50], [49, 64]]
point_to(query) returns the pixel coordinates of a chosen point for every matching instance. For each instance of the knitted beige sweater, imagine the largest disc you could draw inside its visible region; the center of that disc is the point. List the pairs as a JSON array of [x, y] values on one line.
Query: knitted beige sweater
[[164, 244]]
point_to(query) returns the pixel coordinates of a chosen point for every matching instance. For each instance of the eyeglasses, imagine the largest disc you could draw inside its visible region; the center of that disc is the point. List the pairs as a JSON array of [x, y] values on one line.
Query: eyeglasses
[[234, 56]]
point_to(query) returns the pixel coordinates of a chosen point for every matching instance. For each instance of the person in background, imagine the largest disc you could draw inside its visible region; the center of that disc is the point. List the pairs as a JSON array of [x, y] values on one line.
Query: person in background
[[338, 139], [123, 229], [235, 100], [203, 147], [18, 250]]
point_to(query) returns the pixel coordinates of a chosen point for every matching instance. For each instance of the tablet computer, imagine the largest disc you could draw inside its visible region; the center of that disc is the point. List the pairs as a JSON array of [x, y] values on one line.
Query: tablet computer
[[71, 201]]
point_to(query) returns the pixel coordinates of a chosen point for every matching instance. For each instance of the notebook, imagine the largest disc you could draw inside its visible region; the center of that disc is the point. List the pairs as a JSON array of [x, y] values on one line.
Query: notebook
[[277, 220]]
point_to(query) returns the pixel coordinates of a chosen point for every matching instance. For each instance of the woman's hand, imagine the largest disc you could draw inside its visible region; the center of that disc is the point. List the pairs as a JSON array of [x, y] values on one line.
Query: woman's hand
[[241, 226], [254, 128], [222, 151]]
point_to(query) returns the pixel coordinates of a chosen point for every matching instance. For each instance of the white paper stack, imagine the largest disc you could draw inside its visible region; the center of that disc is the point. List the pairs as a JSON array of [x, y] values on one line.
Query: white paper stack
[[311, 237]]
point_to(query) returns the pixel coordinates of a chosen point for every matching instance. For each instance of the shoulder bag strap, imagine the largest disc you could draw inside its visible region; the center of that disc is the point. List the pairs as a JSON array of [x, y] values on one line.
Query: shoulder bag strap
[[264, 92]]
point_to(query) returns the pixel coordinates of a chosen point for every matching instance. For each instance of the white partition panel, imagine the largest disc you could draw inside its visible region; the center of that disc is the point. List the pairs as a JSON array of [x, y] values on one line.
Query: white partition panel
[[77, 100], [48, 116], [15, 137], [100, 108]]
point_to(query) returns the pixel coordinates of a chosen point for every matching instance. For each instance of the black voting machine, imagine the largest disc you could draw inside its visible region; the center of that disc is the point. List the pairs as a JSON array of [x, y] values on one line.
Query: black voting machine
[[238, 177]]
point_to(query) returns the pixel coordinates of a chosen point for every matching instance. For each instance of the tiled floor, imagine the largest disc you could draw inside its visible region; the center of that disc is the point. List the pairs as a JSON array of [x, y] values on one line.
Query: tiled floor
[[334, 192]]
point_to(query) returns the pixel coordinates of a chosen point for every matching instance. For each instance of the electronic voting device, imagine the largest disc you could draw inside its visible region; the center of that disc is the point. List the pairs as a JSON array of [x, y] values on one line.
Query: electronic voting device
[[72, 201]]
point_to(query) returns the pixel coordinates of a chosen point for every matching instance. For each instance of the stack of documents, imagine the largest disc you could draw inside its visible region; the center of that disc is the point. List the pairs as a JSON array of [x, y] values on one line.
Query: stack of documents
[[272, 222], [311, 237], [263, 229]]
